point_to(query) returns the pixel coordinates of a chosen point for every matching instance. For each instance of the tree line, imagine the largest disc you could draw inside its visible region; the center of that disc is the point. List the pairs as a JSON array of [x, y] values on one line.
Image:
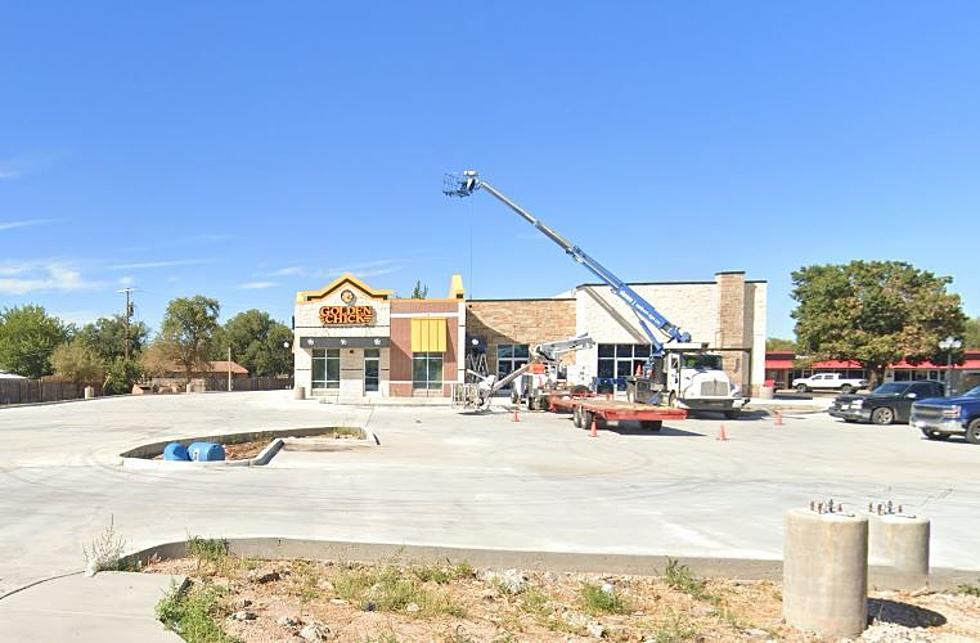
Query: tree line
[[36, 344], [876, 313]]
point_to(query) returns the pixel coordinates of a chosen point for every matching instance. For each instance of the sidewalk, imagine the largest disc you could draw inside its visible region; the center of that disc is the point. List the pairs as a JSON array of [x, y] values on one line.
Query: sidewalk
[[111, 606]]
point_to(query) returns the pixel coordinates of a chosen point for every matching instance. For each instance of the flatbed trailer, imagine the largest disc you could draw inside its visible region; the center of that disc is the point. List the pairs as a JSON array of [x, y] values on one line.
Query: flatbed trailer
[[585, 409]]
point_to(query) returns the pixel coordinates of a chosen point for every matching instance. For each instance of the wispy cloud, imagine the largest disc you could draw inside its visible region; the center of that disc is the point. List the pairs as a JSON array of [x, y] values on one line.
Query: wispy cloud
[[36, 276], [18, 166], [376, 272], [257, 285], [126, 281], [365, 269], [166, 263], [287, 271], [24, 223]]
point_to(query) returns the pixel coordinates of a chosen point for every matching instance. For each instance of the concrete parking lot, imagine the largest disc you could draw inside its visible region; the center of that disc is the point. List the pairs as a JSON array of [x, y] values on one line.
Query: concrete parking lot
[[445, 478]]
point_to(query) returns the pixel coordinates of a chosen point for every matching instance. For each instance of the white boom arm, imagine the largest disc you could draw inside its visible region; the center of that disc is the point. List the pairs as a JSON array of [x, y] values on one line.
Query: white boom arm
[[550, 352]]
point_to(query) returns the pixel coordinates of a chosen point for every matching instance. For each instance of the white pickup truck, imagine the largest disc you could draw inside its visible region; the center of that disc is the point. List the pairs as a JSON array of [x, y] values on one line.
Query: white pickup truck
[[829, 382]]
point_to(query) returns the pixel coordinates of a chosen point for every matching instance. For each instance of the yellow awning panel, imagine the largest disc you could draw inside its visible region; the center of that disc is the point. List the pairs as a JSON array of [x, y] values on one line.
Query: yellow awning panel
[[429, 335]]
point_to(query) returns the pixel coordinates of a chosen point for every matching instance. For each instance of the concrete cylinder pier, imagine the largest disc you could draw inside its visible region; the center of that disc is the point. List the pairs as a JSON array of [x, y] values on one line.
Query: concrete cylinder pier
[[299, 393], [89, 392], [825, 572], [901, 542]]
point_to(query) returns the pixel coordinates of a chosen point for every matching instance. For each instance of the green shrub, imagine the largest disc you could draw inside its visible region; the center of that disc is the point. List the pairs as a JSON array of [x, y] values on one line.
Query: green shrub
[[595, 601], [191, 614]]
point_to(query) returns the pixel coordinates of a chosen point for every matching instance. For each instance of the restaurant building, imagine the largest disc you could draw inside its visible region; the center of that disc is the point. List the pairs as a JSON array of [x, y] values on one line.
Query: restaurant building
[[353, 341], [782, 367]]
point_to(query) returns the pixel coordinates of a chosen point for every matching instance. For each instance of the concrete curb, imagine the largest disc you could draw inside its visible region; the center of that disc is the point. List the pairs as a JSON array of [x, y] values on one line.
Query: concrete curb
[[26, 405], [558, 562], [141, 457]]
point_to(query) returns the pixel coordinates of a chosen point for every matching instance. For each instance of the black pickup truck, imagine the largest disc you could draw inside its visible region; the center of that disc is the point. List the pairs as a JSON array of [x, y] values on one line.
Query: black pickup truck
[[891, 402]]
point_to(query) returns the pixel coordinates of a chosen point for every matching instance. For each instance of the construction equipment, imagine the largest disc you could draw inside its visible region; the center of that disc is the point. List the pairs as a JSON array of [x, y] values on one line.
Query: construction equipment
[[681, 373], [544, 358]]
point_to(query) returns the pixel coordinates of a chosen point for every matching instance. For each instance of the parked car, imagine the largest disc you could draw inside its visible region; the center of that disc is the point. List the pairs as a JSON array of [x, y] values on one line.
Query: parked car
[[890, 402], [829, 382], [940, 418]]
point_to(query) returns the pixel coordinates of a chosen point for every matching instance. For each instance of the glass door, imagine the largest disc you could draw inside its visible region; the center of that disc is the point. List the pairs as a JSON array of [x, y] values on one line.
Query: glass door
[[372, 369]]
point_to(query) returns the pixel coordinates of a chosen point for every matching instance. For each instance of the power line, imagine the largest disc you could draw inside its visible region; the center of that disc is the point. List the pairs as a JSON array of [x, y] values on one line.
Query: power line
[[127, 315]]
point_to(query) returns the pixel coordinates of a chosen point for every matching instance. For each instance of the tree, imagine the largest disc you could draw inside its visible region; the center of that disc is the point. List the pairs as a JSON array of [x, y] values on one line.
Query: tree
[[874, 312], [157, 360], [77, 362], [121, 375], [28, 336], [188, 331], [107, 336], [971, 334], [421, 291], [256, 342], [779, 344]]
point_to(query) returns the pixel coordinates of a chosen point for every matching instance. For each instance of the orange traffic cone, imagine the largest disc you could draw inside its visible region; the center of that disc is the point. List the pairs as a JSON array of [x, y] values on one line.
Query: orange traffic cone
[[515, 418], [779, 418], [721, 434], [595, 430]]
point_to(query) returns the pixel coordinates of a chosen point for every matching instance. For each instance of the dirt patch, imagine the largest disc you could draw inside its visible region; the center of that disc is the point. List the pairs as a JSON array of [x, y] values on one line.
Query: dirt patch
[[264, 600], [252, 448], [245, 450]]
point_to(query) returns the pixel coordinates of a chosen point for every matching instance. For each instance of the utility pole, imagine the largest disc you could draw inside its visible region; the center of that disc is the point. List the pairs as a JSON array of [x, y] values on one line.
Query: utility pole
[[229, 368], [127, 314]]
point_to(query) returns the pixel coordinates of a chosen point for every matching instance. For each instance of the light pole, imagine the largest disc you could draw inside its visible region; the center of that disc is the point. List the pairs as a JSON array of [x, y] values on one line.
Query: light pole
[[949, 345]]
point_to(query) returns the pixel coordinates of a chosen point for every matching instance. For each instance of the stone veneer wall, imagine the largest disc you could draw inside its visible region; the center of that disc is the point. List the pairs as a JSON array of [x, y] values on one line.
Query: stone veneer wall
[[519, 321]]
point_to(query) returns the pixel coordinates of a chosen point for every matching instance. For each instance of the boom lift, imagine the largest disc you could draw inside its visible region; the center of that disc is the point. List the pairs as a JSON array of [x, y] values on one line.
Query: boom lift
[[546, 355], [679, 372]]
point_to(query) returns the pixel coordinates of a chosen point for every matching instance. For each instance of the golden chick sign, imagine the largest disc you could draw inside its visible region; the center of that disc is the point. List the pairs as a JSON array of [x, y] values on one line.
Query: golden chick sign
[[346, 315]]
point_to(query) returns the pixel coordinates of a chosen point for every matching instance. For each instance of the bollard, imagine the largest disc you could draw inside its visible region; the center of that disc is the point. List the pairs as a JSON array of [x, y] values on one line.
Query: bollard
[[825, 571], [779, 418], [515, 418], [189, 388], [89, 392], [299, 393], [900, 542], [722, 436]]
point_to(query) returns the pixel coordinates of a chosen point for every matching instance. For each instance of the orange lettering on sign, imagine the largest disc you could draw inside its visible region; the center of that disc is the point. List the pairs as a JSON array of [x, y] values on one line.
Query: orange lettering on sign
[[346, 315]]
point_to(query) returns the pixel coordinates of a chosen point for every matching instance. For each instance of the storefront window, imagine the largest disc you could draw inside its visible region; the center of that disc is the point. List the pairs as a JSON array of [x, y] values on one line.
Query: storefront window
[[326, 368], [427, 370], [510, 357], [621, 360]]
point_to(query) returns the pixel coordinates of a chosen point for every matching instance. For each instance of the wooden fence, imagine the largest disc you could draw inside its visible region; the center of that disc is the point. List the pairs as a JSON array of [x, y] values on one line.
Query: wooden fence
[[17, 391], [271, 383]]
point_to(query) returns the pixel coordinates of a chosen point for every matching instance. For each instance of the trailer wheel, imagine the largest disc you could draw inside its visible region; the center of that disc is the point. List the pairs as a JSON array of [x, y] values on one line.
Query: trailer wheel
[[587, 418], [577, 416], [731, 414], [652, 425], [600, 422]]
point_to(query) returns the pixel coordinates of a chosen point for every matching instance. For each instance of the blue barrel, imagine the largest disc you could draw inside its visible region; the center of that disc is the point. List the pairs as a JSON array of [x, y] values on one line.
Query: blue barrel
[[176, 451], [206, 451]]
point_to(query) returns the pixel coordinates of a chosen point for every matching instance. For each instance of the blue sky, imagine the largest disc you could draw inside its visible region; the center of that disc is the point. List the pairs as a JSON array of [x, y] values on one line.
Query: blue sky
[[248, 150]]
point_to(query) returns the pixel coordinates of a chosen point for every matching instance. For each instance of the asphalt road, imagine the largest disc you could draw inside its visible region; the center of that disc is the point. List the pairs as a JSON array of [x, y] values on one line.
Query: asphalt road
[[444, 478]]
